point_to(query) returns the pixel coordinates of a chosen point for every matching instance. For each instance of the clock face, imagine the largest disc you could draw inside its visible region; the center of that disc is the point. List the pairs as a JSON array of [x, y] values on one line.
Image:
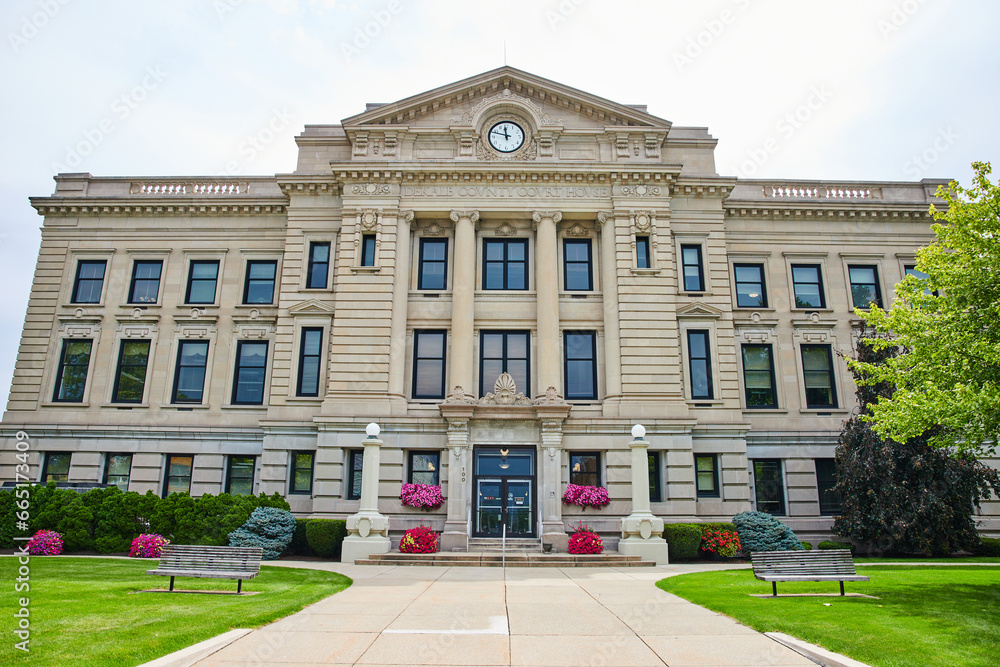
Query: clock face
[[506, 136]]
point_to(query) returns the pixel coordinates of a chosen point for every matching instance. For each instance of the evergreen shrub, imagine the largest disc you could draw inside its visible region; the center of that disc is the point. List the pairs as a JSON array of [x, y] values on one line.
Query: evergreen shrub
[[325, 536], [269, 528], [760, 531], [683, 540], [988, 546], [828, 544]]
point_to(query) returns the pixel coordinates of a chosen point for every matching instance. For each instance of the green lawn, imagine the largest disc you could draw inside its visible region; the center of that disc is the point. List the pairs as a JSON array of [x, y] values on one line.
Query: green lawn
[[925, 615], [85, 611]]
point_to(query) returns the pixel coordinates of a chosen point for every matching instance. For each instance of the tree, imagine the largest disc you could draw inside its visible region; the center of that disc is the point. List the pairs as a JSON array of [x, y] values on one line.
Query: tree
[[907, 497], [947, 325]]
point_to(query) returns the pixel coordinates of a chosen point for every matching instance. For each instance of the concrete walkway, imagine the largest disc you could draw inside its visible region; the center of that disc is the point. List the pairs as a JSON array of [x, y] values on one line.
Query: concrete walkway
[[488, 616]]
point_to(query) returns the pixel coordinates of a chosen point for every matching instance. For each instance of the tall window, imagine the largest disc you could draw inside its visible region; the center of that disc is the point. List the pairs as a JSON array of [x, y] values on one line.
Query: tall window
[[911, 270], [585, 468], [428, 364], [864, 286], [189, 376], [706, 470], [130, 380], [826, 479], [581, 365], [117, 470], [425, 468], [56, 467], [642, 252], [769, 490], [239, 475], [750, 289], [505, 264], [577, 273], [758, 377], [504, 352], [433, 264], [89, 282], [71, 378], [145, 281], [310, 356], [368, 250], [817, 364], [259, 287], [700, 363], [203, 276], [302, 472], [319, 265], [355, 461], [251, 364], [655, 487], [178, 478], [808, 286], [694, 274]]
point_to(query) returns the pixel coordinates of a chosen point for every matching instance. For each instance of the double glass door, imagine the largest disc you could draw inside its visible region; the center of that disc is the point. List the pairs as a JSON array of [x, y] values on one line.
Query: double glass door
[[504, 483]]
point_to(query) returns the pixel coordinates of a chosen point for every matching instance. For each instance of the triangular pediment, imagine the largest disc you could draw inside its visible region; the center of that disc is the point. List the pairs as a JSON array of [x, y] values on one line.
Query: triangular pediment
[[311, 307], [554, 99], [699, 310]]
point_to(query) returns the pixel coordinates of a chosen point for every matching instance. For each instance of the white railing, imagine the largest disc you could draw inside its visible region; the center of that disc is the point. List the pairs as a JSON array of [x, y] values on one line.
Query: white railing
[[821, 192], [169, 188]]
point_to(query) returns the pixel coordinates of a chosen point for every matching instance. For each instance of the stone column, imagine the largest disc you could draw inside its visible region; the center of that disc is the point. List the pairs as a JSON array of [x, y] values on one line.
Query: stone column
[[547, 291], [367, 531], [456, 527], [462, 301], [609, 291], [552, 416], [400, 296], [642, 533]]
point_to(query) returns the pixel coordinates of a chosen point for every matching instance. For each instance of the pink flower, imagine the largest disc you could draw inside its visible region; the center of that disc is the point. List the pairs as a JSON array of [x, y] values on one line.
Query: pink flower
[[148, 546], [585, 541], [586, 496], [427, 496], [419, 540], [45, 543]]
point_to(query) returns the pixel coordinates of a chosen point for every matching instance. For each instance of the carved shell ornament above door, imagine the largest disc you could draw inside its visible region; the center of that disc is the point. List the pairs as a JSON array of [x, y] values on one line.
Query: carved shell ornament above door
[[505, 393]]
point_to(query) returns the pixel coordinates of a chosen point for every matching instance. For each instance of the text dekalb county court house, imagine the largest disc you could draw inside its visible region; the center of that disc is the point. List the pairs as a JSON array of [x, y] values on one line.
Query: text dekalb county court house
[[506, 274]]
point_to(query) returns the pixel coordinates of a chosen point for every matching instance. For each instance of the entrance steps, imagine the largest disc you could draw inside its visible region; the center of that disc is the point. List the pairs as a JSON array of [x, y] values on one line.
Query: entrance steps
[[496, 559], [516, 545]]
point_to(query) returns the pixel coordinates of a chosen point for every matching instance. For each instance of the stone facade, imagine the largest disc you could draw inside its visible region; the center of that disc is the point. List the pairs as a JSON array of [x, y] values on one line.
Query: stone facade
[[639, 265]]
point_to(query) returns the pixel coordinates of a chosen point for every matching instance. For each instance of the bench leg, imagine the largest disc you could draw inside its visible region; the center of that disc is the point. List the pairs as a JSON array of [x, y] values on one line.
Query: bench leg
[[842, 588], [171, 584], [774, 588], [239, 586]]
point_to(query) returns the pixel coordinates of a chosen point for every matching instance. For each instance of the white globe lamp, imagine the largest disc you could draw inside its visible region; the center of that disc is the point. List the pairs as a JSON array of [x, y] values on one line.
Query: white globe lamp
[[372, 430], [638, 431]]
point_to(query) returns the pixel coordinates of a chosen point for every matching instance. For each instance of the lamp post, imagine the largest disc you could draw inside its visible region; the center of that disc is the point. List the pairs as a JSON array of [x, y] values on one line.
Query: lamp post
[[642, 533], [367, 531]]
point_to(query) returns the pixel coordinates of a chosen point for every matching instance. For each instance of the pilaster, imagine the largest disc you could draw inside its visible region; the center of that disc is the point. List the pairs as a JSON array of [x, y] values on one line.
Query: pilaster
[[400, 290], [462, 300], [547, 291], [609, 294]]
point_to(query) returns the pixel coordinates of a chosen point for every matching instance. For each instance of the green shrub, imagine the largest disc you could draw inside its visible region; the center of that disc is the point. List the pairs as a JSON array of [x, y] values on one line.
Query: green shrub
[[721, 525], [988, 546], [7, 510], [269, 528], [683, 540], [807, 545], [65, 512], [827, 544], [300, 545], [762, 532], [325, 536], [116, 522]]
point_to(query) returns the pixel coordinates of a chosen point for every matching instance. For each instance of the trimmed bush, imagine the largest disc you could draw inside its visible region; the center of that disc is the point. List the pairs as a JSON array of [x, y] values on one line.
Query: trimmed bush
[[827, 544], [683, 540], [718, 526], [988, 546], [325, 536], [269, 528], [299, 546], [807, 546], [45, 543], [419, 540], [762, 532]]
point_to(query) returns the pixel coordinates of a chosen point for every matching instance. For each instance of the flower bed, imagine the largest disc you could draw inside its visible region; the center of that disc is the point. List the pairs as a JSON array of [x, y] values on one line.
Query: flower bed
[[45, 543], [585, 541], [425, 496], [148, 546], [419, 540], [725, 543], [586, 496]]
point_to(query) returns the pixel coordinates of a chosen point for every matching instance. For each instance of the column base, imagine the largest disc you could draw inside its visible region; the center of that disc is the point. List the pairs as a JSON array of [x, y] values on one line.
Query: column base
[[455, 536], [653, 548], [554, 533], [356, 547]]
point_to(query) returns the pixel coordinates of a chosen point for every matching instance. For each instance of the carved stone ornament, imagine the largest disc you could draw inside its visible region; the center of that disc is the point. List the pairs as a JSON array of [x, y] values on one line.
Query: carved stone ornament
[[506, 95], [458, 396], [642, 221], [538, 216], [433, 229], [368, 219], [458, 215], [506, 229], [505, 393], [641, 190], [409, 217], [371, 189], [551, 397], [527, 152], [578, 230]]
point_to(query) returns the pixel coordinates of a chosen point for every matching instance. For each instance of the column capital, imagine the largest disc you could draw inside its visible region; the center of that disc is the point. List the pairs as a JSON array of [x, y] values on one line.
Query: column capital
[[467, 214], [409, 217], [554, 216], [602, 219]]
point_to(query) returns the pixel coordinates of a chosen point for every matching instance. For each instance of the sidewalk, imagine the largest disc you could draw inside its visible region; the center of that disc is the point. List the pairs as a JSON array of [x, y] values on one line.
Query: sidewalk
[[489, 616]]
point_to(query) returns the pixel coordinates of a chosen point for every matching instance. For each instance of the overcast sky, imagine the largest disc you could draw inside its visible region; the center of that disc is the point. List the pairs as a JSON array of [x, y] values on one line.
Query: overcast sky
[[872, 89]]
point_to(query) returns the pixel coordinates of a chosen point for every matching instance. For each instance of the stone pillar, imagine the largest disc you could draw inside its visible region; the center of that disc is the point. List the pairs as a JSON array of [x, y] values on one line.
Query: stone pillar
[[456, 527], [400, 295], [462, 301], [547, 291], [550, 489], [367, 531], [609, 291], [642, 533]]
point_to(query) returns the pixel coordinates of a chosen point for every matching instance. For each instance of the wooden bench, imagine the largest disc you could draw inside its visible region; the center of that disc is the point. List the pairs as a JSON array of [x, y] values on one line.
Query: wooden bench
[[192, 560], [823, 565]]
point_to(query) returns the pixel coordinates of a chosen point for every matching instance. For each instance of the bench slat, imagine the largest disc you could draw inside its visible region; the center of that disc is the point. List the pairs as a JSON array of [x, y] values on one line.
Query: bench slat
[[212, 562], [831, 565]]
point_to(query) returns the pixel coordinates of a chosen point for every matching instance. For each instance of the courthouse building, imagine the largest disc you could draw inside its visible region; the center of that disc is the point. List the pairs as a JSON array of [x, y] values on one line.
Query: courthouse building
[[506, 274]]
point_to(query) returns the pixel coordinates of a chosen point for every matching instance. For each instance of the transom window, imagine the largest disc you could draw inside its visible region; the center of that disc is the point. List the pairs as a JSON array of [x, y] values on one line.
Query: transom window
[[505, 265], [504, 352], [817, 364], [433, 264], [131, 377], [585, 468], [864, 286], [750, 292], [259, 287], [808, 286], [89, 282], [577, 273], [694, 274], [203, 276], [425, 468], [145, 286]]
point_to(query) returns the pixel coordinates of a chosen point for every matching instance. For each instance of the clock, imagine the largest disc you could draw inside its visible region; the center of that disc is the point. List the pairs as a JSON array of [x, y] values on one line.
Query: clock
[[506, 136]]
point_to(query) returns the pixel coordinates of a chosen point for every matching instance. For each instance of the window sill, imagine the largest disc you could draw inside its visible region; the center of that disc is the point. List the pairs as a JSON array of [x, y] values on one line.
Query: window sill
[[66, 404], [239, 406], [753, 309], [256, 306], [365, 269], [646, 272], [704, 403], [185, 406], [805, 311], [125, 405], [764, 411], [832, 411], [307, 400]]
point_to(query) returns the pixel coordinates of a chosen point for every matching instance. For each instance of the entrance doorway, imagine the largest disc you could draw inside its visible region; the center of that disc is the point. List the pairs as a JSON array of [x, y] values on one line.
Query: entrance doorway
[[503, 483]]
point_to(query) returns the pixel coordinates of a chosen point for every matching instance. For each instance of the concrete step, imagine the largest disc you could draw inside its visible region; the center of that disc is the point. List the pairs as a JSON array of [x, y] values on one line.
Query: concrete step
[[512, 560]]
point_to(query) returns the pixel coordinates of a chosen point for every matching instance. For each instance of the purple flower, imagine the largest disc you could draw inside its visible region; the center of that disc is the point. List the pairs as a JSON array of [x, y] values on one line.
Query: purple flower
[[45, 543], [421, 495], [148, 546], [586, 496]]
